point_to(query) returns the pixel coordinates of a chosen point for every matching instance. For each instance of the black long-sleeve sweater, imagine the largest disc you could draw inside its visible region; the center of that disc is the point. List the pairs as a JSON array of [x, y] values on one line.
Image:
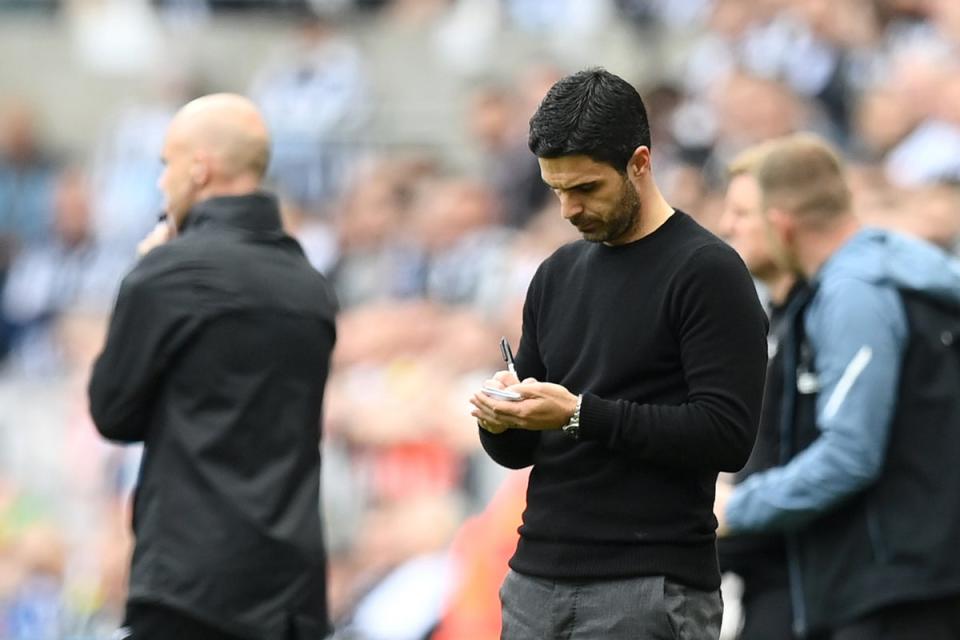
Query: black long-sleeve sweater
[[666, 340]]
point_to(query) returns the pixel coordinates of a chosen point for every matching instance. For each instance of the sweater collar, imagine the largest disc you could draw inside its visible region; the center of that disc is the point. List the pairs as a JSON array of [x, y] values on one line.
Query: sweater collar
[[256, 211]]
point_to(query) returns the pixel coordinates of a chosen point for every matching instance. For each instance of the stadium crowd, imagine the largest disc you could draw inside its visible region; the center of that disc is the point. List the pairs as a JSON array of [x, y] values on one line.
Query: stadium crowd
[[430, 261]]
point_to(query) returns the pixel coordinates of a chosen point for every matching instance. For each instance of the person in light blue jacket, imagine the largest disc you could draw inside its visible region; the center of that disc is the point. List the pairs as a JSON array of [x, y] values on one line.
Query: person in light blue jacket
[[867, 493]]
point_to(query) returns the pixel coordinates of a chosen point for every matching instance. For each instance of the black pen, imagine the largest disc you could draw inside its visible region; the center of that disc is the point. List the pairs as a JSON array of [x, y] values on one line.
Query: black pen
[[507, 355]]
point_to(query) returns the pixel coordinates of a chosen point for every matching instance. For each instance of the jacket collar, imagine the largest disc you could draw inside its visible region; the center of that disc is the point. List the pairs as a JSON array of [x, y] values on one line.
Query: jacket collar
[[256, 211]]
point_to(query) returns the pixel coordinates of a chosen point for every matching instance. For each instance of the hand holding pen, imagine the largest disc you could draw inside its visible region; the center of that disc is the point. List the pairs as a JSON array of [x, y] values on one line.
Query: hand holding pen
[[507, 353], [505, 402], [496, 388]]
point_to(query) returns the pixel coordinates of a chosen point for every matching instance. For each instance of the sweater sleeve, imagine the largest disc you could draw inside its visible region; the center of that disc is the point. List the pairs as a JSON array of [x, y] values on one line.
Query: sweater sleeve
[[721, 330], [156, 312], [514, 448]]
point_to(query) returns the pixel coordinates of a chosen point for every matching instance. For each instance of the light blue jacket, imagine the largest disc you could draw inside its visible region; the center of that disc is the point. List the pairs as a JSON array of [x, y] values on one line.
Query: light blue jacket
[[857, 329]]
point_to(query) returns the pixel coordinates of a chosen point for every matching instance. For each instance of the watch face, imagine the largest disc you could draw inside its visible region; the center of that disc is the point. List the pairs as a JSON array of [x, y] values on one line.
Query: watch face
[[572, 430]]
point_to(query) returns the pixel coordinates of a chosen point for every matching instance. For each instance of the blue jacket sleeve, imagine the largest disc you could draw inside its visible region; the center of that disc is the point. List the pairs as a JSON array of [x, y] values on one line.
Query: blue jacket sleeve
[[858, 333]]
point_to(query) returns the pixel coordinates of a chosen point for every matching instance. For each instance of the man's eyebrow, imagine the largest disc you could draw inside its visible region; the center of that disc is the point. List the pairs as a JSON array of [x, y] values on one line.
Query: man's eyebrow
[[590, 182]]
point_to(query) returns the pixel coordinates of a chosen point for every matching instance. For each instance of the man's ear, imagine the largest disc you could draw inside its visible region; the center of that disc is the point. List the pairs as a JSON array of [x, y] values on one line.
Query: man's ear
[[781, 230], [639, 164], [780, 220], [778, 231], [200, 169]]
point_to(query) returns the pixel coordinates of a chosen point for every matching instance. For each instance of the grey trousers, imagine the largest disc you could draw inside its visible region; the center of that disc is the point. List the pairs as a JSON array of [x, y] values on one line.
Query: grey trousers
[[646, 608]]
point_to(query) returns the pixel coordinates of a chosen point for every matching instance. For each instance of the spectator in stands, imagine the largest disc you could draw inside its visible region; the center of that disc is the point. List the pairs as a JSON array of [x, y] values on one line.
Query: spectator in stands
[[931, 152], [126, 161], [496, 122], [377, 258], [456, 225], [27, 174], [68, 269], [315, 100]]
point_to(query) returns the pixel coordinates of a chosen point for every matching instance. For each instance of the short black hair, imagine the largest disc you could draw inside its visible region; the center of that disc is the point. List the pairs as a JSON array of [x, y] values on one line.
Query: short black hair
[[593, 113]]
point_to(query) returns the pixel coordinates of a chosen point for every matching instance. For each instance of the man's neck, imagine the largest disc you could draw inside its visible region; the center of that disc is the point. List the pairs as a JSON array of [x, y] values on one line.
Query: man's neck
[[820, 244], [779, 286], [239, 186], [242, 185], [654, 211]]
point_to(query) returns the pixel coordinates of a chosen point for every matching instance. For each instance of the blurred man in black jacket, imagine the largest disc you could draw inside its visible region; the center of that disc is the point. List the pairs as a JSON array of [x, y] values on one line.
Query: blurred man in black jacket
[[216, 358], [761, 559]]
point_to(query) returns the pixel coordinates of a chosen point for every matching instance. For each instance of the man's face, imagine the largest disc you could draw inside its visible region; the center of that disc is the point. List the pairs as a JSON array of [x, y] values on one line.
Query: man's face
[[745, 227], [594, 197], [177, 183]]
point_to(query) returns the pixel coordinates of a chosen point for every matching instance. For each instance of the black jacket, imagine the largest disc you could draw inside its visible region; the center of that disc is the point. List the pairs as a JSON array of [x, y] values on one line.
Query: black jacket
[[761, 559], [216, 358], [897, 541]]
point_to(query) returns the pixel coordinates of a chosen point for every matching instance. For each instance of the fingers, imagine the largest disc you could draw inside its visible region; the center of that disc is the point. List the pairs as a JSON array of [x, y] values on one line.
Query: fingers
[[497, 415], [497, 411], [480, 411], [159, 235], [530, 388], [494, 383], [486, 406], [487, 418], [491, 427]]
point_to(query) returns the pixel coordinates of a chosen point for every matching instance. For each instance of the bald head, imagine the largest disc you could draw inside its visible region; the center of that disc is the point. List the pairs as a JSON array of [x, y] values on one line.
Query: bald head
[[229, 128], [217, 145]]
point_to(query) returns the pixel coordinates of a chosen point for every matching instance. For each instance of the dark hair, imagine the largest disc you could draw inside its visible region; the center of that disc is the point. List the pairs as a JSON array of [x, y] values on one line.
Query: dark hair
[[593, 113]]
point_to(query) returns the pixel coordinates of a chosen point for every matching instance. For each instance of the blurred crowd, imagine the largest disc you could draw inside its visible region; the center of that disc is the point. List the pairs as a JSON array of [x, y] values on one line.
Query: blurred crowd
[[430, 263]]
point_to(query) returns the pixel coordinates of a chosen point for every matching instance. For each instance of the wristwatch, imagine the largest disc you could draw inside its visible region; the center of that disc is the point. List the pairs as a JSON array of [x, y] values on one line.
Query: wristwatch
[[572, 428]]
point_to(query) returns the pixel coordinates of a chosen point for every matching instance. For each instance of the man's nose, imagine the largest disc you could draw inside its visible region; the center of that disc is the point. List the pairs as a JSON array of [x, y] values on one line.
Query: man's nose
[[570, 206]]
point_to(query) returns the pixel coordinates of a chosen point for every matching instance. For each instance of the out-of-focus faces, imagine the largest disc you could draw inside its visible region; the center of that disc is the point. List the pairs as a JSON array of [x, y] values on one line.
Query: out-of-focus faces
[[883, 118], [744, 226], [72, 208], [491, 119], [594, 197], [18, 132], [752, 109], [448, 210]]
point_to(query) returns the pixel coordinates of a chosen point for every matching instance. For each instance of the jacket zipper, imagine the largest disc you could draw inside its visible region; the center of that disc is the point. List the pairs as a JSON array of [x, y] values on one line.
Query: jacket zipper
[[787, 411]]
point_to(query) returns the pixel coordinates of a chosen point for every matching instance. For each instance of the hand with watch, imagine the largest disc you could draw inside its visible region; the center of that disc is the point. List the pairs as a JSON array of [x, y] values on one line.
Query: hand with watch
[[572, 428], [506, 403], [545, 407]]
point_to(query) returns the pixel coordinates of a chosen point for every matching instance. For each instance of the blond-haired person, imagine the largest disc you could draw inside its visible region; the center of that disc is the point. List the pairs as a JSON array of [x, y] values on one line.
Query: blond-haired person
[[869, 495]]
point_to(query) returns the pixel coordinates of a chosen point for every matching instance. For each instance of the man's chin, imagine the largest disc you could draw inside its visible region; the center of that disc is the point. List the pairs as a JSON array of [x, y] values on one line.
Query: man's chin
[[594, 236], [598, 233]]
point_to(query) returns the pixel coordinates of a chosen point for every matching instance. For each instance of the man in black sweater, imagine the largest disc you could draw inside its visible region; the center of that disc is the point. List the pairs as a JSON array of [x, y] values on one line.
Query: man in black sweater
[[216, 359], [643, 357]]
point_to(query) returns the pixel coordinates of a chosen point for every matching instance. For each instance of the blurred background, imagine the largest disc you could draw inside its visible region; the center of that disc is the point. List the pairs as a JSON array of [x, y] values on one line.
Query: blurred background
[[400, 155]]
